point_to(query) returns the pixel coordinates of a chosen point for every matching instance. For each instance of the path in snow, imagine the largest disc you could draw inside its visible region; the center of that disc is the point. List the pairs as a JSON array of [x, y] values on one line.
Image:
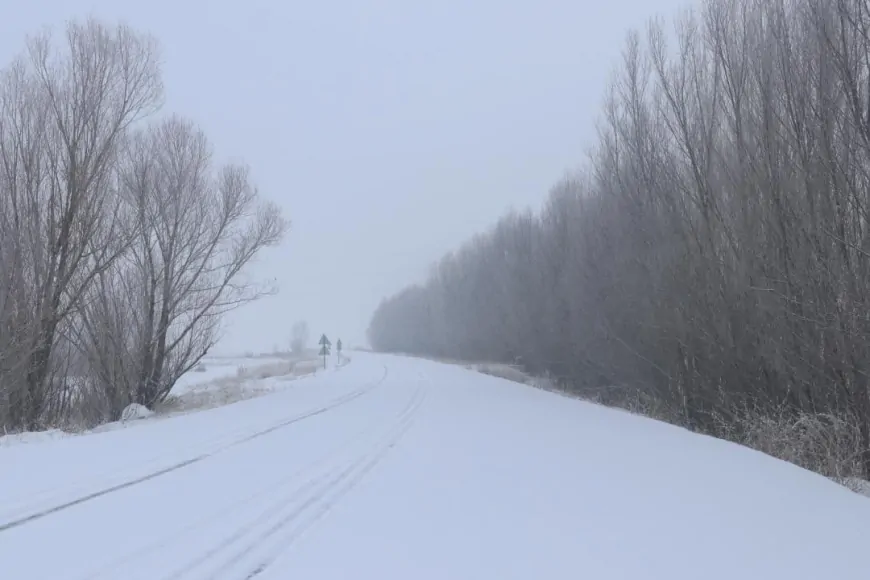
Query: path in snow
[[395, 468]]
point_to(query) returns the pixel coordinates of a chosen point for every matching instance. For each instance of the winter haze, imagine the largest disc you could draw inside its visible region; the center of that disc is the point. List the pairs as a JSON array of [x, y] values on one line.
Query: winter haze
[[388, 131], [613, 269]]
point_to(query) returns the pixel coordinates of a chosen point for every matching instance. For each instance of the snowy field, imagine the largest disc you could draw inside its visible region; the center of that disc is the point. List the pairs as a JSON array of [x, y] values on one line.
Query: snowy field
[[213, 369], [394, 469], [223, 380], [217, 381]]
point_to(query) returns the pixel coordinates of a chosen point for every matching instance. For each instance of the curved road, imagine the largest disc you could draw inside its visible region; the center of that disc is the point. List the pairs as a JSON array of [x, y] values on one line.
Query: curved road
[[398, 468]]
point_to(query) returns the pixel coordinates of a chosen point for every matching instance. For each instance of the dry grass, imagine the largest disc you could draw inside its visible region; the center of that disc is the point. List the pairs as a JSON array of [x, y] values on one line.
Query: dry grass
[[246, 384], [824, 443]]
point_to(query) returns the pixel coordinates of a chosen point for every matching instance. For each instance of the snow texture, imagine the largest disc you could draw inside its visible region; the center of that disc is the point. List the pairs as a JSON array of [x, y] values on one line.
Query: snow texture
[[17, 438], [392, 468]]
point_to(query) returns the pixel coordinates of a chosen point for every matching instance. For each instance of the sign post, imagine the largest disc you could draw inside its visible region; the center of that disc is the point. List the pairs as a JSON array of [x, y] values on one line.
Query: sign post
[[324, 349]]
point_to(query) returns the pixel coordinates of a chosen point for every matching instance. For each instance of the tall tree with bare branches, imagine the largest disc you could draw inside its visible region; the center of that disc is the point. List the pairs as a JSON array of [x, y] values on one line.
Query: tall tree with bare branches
[[711, 261], [197, 229], [67, 107]]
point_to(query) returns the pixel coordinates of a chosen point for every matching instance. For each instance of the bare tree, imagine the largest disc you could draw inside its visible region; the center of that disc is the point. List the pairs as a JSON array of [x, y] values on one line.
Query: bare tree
[[66, 109], [711, 264], [299, 337], [158, 310]]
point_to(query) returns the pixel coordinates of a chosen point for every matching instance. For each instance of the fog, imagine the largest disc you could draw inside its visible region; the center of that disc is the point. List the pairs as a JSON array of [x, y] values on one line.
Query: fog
[[389, 132]]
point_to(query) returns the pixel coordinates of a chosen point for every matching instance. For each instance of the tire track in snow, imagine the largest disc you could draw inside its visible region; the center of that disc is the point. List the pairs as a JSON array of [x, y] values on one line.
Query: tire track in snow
[[39, 513], [326, 502], [144, 465], [268, 493], [287, 518]]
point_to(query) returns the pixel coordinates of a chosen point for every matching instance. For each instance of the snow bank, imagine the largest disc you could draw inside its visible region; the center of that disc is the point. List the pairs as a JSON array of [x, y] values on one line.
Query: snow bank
[[244, 381], [215, 369], [213, 383], [775, 437], [135, 411], [32, 437]]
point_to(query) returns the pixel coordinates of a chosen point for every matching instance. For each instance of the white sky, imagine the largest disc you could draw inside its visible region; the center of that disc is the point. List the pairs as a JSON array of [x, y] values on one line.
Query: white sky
[[389, 131]]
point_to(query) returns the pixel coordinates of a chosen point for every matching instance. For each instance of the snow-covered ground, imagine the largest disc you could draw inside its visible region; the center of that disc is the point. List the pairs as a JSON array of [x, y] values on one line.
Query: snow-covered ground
[[395, 468], [217, 381], [213, 369], [223, 380]]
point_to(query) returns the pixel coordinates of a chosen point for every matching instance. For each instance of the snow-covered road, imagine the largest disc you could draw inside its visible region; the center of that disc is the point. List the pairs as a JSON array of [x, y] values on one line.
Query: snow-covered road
[[395, 468]]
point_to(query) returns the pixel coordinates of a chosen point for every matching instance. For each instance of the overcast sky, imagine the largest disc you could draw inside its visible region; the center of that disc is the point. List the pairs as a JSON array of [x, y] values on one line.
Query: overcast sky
[[389, 131]]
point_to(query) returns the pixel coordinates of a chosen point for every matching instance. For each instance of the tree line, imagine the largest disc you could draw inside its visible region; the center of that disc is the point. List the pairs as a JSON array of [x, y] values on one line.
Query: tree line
[[710, 262], [122, 241]]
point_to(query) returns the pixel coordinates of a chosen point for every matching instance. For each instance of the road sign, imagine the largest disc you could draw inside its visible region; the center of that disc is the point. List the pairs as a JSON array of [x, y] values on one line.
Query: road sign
[[324, 348]]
